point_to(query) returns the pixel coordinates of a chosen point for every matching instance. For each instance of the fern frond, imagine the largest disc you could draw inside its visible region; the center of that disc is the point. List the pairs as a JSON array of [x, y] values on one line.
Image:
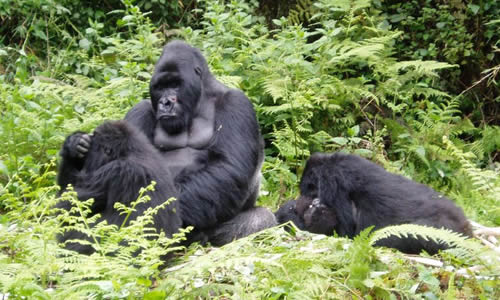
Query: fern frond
[[482, 180], [421, 67], [357, 51], [231, 81], [427, 233], [277, 87], [302, 12]]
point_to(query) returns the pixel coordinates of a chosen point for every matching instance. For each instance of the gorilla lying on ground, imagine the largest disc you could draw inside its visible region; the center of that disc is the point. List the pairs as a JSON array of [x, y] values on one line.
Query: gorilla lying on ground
[[112, 167], [347, 193], [209, 139]]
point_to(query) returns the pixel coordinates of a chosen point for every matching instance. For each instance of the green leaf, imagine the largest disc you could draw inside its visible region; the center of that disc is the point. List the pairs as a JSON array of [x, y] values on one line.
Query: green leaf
[[155, 295], [340, 140], [397, 18], [128, 18], [353, 131], [363, 152], [84, 44], [440, 25], [79, 108], [3, 168], [473, 8]]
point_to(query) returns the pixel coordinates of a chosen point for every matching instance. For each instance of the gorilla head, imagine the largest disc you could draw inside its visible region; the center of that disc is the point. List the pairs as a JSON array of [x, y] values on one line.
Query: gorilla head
[[116, 140], [176, 85], [108, 140]]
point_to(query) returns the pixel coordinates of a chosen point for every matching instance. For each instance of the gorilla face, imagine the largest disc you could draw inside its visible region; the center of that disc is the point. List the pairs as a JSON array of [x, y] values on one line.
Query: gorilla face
[[107, 140], [176, 86]]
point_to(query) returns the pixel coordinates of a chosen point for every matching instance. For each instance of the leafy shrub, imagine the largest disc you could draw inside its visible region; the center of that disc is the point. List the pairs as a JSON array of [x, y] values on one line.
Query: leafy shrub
[[313, 95], [458, 32], [339, 85]]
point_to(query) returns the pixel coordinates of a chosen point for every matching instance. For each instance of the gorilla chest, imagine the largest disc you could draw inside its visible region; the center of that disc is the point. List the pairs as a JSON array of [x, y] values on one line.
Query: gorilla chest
[[185, 159], [198, 136], [185, 150]]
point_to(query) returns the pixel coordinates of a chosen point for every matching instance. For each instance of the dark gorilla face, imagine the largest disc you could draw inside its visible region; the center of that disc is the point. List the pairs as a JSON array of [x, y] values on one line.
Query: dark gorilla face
[[176, 86]]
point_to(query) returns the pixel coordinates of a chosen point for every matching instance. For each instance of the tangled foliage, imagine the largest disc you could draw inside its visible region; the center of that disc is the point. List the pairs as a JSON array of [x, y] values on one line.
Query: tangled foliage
[[340, 83]]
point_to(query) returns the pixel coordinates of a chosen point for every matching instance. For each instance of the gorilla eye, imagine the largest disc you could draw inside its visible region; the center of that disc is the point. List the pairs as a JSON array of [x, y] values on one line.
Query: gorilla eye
[[170, 83], [197, 70], [311, 186], [107, 151]]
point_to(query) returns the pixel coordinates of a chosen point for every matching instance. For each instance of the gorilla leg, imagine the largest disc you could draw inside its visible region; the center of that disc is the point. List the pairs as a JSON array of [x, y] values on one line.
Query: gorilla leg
[[245, 223]]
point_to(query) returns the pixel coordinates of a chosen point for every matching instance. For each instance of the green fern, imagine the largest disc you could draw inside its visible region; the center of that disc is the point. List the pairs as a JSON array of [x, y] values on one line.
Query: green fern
[[348, 53], [361, 255], [302, 12], [482, 180], [421, 68], [427, 233]]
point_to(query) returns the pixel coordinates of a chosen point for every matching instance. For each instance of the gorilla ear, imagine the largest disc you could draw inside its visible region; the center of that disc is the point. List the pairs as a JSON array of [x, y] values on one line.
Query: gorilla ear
[[197, 70]]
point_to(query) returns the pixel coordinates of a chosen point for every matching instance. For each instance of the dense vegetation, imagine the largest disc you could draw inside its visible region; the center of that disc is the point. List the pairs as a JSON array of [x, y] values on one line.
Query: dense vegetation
[[411, 85]]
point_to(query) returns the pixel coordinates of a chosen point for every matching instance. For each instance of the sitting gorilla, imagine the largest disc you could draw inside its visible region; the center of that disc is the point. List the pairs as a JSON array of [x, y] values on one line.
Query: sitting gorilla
[[209, 139], [112, 167], [357, 193]]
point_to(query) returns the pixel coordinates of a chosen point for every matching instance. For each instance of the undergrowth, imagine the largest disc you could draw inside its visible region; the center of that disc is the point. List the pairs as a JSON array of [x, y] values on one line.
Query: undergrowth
[[336, 86]]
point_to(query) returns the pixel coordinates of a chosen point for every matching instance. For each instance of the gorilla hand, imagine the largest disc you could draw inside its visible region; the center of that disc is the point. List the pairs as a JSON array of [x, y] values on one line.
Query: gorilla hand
[[76, 145], [319, 218]]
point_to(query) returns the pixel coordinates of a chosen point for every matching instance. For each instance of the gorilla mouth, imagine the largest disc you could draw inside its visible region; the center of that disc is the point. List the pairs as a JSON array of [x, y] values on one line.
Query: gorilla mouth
[[168, 115]]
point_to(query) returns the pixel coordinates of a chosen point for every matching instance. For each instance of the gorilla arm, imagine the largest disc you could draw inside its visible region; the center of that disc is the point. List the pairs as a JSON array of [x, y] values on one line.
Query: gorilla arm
[[334, 190], [73, 154], [228, 182], [116, 181], [142, 116]]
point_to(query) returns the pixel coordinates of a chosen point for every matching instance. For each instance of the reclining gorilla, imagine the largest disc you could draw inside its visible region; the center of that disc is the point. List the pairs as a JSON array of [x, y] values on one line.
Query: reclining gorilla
[[112, 168], [346, 194], [209, 139]]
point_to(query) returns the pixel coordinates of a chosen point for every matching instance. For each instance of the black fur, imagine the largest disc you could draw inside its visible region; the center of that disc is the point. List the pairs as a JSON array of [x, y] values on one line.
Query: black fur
[[308, 214], [120, 161], [221, 179], [287, 212], [360, 194]]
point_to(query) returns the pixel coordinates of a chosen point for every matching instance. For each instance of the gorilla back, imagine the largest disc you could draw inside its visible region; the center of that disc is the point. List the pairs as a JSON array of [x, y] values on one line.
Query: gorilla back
[[120, 161]]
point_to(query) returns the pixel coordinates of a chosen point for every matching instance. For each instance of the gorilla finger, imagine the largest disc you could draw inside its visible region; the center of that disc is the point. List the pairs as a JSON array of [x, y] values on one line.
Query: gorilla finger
[[85, 141], [87, 137], [82, 150]]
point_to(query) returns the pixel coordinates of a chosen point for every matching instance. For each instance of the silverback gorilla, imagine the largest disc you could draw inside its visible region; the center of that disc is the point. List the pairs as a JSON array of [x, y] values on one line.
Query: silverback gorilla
[[110, 168], [209, 138], [346, 194]]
